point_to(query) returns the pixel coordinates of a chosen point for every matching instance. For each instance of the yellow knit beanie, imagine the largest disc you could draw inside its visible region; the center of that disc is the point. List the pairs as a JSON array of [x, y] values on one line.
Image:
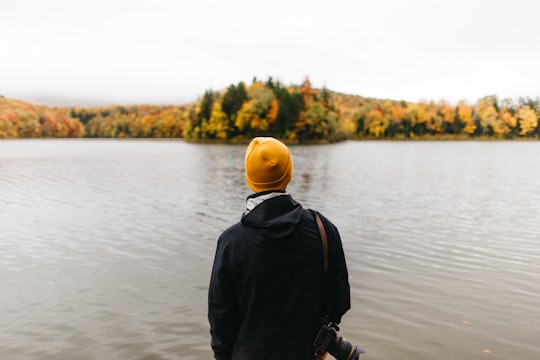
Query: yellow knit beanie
[[268, 164]]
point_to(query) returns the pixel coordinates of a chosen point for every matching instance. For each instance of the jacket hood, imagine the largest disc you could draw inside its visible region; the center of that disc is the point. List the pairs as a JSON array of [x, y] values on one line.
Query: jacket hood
[[274, 218]]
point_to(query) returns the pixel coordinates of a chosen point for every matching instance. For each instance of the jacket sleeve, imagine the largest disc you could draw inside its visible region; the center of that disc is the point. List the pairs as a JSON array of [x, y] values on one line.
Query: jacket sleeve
[[223, 312], [339, 293]]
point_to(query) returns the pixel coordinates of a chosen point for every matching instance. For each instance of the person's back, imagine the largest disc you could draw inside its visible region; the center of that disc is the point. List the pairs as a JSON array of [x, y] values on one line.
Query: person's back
[[265, 295]]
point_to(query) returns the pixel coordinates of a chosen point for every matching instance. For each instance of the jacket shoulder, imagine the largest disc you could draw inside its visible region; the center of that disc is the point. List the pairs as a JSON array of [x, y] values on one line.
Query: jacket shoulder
[[233, 234], [329, 225]]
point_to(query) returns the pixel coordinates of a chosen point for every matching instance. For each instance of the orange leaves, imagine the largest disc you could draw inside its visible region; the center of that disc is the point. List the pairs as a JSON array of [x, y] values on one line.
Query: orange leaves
[[448, 112], [294, 112], [273, 112], [145, 121], [23, 120], [398, 112], [307, 91], [508, 119], [465, 113]]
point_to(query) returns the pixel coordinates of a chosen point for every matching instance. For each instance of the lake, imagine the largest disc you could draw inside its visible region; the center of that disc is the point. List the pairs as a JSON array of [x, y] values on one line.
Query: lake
[[106, 246]]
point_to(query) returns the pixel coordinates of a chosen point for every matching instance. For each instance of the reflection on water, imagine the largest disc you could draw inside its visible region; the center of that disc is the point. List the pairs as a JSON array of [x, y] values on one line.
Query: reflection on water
[[106, 246]]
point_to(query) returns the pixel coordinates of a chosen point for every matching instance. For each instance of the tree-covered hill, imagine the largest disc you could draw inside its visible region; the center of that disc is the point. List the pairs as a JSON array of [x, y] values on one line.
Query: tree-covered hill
[[296, 113], [19, 119]]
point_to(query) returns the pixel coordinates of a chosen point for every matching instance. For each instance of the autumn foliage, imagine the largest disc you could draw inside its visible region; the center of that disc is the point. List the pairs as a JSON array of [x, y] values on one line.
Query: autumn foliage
[[144, 121], [296, 113], [23, 120]]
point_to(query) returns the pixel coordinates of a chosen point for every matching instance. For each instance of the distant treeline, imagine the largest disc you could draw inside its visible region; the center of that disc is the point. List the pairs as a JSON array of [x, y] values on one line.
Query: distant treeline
[[293, 113]]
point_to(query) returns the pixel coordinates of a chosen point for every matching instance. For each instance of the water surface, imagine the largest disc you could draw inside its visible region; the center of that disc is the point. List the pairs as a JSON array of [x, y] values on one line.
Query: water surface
[[106, 245]]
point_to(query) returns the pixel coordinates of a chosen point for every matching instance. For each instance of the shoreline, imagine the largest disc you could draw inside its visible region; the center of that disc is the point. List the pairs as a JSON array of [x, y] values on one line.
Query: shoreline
[[245, 141]]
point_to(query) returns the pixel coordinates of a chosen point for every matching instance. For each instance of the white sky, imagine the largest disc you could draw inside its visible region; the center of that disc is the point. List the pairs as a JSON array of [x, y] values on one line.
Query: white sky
[[97, 52]]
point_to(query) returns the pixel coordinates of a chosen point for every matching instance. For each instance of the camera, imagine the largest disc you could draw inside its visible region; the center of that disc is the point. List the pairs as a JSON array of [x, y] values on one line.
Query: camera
[[328, 340]]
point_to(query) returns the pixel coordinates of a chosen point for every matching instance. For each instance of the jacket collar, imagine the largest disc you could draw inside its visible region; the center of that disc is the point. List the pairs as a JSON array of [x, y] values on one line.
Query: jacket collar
[[258, 198]]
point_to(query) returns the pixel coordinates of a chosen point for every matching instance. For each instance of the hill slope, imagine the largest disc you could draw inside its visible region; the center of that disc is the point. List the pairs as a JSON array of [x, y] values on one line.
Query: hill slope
[[297, 113]]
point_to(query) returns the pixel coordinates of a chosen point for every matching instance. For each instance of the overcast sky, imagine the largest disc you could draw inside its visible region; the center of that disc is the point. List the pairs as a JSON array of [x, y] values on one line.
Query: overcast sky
[[98, 52]]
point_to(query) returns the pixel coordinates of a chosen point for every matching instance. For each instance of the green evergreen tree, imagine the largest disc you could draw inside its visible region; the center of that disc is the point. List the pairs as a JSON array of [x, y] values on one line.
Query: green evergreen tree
[[206, 105], [291, 104], [233, 99]]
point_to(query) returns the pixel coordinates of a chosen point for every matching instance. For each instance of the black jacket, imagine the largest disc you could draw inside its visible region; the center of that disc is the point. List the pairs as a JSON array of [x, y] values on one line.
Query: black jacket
[[265, 294]]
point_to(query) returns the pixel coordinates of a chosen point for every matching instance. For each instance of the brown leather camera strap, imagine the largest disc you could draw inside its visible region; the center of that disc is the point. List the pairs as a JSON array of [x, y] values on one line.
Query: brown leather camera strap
[[324, 239]]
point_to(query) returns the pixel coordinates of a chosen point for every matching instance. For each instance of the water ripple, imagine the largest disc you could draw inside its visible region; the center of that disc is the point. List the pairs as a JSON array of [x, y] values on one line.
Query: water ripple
[[106, 246]]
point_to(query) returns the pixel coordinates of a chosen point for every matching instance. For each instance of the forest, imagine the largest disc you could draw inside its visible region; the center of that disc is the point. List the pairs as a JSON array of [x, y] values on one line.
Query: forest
[[294, 113]]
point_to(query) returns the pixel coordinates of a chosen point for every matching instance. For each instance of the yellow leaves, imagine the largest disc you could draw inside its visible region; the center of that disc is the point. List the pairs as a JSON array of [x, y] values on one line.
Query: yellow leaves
[[528, 121], [375, 122], [248, 116], [465, 112], [20, 119], [243, 116], [377, 129], [260, 97], [448, 112], [503, 123], [7, 128], [417, 113], [198, 108], [435, 118], [347, 120], [256, 86], [259, 111], [258, 124], [387, 107], [218, 124], [508, 119], [488, 114], [295, 112], [374, 115], [137, 121]]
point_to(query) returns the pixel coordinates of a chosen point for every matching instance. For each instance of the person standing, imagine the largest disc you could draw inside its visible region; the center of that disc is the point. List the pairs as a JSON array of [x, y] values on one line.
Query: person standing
[[266, 293]]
